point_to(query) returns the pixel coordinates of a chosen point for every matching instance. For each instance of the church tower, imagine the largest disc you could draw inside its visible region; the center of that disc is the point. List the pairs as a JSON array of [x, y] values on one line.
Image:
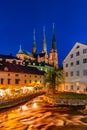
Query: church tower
[[53, 59], [34, 43], [44, 47]]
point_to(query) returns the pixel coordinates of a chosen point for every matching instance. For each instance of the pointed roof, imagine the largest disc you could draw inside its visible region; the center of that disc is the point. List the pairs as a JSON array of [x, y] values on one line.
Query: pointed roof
[[53, 39], [24, 52], [44, 47], [34, 39]]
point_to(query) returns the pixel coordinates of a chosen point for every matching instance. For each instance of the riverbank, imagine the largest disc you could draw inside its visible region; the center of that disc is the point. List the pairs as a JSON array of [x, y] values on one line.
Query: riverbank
[[17, 101]]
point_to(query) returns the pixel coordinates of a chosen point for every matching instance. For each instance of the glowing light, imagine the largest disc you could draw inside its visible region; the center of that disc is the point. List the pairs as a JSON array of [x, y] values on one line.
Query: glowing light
[[35, 105], [24, 107]]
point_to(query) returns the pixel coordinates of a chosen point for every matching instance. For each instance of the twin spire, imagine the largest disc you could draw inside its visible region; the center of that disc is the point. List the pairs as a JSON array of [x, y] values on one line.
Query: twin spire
[[44, 46]]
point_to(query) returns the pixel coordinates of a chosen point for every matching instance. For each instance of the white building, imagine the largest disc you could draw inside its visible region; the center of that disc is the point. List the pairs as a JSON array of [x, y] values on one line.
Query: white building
[[75, 69]]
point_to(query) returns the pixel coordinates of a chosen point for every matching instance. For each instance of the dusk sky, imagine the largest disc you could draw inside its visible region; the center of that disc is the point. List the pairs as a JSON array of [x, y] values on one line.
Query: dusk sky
[[18, 18]]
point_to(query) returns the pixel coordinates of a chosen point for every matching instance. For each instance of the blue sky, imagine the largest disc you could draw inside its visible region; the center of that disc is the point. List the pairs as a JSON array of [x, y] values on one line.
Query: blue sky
[[18, 18]]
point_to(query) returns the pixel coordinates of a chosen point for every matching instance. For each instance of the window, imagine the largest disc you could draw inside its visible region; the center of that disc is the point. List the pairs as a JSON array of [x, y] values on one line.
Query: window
[[66, 65], [25, 81], [40, 81], [2, 81], [16, 75], [77, 62], [66, 74], [9, 81], [85, 72], [77, 73], [71, 87], [77, 47], [71, 56], [84, 51], [8, 74], [17, 81], [77, 87], [77, 53], [85, 60], [66, 87], [36, 76], [35, 81], [30, 81], [71, 63], [71, 73]]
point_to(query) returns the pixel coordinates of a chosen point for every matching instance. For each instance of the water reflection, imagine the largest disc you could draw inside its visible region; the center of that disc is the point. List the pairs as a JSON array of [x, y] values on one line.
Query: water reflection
[[42, 118]]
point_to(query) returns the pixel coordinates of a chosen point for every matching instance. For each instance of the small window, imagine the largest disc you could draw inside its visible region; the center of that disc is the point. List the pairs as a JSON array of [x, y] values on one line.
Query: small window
[[30, 81], [2, 81], [84, 51], [16, 75], [71, 87], [77, 47], [25, 81], [77, 87], [71, 56], [77, 73], [8, 74], [66, 74], [71, 73], [77, 62], [35, 81], [77, 53], [85, 72], [72, 63], [9, 81], [66, 65], [85, 60], [17, 81]]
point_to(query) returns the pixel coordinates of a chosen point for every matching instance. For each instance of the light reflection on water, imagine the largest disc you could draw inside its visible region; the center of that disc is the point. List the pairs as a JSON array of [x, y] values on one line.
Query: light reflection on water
[[42, 118]]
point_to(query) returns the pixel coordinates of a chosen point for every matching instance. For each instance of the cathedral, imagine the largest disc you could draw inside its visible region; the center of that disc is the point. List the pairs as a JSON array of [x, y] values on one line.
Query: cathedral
[[43, 57]]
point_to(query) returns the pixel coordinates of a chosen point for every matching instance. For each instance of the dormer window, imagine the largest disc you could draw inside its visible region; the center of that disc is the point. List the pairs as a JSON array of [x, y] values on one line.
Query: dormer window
[[77, 47]]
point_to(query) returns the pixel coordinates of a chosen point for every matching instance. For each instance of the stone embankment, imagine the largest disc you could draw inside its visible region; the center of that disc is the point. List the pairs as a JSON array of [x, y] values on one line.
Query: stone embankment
[[65, 102], [16, 101]]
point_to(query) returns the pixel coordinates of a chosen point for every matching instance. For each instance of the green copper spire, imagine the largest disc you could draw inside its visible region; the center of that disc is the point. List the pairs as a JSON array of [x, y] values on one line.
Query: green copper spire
[[44, 48], [53, 39], [34, 43]]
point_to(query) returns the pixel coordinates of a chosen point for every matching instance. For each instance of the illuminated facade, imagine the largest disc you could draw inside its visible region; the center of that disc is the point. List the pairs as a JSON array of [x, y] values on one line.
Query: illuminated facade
[[75, 69], [14, 75], [42, 57]]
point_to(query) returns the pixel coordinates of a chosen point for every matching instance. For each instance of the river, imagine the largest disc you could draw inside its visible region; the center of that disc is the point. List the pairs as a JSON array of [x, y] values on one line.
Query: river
[[36, 115]]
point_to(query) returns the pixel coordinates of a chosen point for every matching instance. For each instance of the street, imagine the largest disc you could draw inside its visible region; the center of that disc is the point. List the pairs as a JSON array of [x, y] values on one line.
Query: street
[[36, 115]]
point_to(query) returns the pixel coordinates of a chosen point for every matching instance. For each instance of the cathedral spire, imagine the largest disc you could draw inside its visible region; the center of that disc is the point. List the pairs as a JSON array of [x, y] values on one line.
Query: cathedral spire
[[53, 39], [44, 48], [20, 49], [34, 43]]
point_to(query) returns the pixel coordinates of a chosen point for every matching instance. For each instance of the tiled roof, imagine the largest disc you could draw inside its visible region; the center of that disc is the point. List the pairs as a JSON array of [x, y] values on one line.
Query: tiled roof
[[25, 52], [8, 57], [10, 67]]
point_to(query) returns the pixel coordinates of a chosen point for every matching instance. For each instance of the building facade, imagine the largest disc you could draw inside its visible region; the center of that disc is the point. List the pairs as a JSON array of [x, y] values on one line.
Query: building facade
[[75, 69], [14, 75], [43, 57]]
